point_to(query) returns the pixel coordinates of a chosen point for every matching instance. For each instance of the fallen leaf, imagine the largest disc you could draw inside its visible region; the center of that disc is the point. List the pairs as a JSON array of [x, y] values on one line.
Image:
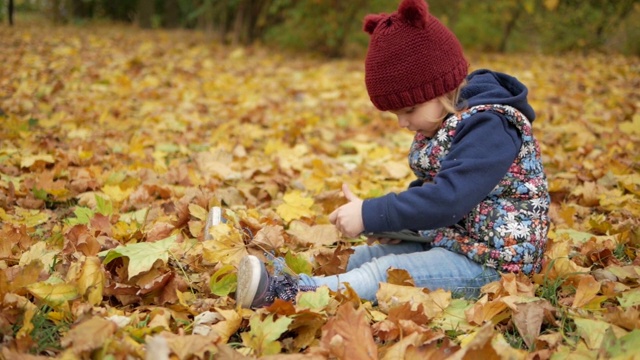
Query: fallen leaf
[[89, 335], [141, 256], [349, 335], [263, 336]]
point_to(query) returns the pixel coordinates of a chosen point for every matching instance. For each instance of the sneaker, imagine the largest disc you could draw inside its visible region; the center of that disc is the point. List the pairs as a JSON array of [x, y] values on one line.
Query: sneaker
[[257, 288], [213, 218]]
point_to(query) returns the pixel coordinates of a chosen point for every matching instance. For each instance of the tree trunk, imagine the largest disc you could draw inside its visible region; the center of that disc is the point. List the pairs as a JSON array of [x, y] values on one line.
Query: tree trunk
[[146, 10], [508, 30], [171, 14], [10, 9], [239, 23]]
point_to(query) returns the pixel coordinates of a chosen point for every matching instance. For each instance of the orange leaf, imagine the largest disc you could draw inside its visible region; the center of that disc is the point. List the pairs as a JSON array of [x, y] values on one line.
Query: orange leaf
[[348, 335], [588, 288]]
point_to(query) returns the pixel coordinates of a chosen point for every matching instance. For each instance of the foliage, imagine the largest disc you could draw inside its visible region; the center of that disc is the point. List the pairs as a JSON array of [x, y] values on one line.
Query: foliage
[[115, 142], [333, 28]]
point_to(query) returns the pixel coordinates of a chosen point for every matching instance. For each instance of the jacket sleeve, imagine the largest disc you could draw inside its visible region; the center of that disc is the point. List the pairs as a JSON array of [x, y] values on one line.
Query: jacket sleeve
[[483, 148]]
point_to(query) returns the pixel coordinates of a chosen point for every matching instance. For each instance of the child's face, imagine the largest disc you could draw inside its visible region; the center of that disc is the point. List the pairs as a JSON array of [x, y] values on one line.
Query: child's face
[[424, 118]]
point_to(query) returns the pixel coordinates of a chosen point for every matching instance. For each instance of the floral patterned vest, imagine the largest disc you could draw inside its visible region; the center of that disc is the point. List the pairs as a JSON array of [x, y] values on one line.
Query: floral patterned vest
[[507, 231]]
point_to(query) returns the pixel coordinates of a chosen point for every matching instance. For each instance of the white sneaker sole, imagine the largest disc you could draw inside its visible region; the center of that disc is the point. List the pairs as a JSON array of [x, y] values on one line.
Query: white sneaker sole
[[249, 272], [214, 218]]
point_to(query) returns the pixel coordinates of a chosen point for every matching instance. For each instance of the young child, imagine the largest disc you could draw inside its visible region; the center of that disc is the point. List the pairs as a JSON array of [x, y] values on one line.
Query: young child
[[480, 201]]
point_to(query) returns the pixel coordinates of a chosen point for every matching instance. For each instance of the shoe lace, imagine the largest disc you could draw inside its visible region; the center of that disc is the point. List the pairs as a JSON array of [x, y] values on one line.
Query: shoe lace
[[283, 285]]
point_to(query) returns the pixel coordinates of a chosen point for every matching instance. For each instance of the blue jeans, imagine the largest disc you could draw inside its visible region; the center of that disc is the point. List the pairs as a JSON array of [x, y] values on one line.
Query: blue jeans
[[430, 267]]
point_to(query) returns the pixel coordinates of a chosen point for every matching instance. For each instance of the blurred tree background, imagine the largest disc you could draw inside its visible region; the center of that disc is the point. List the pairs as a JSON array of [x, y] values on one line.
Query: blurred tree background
[[333, 27]]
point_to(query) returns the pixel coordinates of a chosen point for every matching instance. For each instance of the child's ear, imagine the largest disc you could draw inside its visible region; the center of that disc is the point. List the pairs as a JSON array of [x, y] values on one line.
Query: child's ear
[[414, 12], [371, 22]]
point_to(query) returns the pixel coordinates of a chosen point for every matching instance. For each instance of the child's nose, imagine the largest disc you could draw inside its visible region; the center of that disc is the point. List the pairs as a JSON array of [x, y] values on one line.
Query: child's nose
[[403, 121]]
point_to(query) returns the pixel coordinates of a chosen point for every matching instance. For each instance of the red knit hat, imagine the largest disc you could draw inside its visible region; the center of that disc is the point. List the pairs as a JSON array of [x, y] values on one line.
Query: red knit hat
[[412, 57]]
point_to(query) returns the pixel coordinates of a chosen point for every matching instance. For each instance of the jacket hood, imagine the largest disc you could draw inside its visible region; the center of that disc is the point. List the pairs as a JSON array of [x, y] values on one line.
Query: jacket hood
[[489, 87]]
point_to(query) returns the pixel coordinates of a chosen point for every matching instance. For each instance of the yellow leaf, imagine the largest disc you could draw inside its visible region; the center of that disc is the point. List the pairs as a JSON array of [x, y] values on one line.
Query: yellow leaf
[[226, 247], [591, 331], [263, 336], [116, 193], [39, 252], [229, 326], [28, 161], [27, 325], [198, 211], [632, 127], [295, 206], [32, 218], [317, 235], [91, 280], [588, 288], [55, 295]]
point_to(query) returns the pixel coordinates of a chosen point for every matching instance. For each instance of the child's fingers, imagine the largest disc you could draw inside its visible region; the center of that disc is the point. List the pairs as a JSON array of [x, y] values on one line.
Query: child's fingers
[[347, 193], [333, 216]]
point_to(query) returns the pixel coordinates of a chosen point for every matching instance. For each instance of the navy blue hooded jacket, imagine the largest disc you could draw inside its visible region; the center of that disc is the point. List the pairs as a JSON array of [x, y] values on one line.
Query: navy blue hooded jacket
[[483, 148]]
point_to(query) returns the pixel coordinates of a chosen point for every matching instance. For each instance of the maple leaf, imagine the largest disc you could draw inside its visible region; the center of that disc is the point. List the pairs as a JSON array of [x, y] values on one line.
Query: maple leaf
[[295, 206], [399, 277], [588, 288], [183, 346], [433, 303], [264, 334], [223, 281], [228, 325], [146, 143], [226, 247], [55, 292], [528, 320], [298, 263], [453, 318], [349, 335], [592, 331], [316, 235], [141, 256], [91, 281], [89, 335], [630, 298], [28, 161], [314, 300], [269, 238]]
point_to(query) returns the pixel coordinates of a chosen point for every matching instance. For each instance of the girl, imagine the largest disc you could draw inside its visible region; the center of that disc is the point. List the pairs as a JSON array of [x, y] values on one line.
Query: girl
[[480, 202]]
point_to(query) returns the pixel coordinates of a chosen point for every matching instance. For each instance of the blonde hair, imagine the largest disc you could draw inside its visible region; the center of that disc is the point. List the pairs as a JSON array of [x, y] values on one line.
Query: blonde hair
[[450, 100]]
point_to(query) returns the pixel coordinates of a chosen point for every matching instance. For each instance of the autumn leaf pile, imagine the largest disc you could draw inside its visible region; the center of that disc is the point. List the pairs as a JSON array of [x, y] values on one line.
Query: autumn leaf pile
[[116, 142]]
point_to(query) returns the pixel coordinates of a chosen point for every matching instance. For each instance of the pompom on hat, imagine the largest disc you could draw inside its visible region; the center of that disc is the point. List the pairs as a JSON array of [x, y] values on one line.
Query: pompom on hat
[[412, 57]]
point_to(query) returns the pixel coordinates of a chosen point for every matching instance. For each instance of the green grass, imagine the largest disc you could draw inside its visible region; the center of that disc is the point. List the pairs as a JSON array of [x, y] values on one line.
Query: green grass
[[46, 333]]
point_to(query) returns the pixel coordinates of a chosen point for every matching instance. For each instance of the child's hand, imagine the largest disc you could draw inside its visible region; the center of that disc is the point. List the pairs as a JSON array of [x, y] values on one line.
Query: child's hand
[[348, 217]]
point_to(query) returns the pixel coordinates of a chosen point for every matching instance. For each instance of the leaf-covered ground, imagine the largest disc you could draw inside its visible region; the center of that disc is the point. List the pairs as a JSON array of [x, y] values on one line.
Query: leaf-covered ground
[[115, 142]]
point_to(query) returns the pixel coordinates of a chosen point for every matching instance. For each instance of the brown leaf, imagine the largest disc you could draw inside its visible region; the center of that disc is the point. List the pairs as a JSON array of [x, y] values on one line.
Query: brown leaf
[[404, 312], [399, 277], [348, 335], [159, 231], [333, 263], [269, 238], [153, 280], [80, 239], [528, 320], [432, 350], [89, 335]]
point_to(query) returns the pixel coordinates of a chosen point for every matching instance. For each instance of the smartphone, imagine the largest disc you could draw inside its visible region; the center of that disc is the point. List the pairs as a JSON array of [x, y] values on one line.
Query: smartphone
[[405, 235]]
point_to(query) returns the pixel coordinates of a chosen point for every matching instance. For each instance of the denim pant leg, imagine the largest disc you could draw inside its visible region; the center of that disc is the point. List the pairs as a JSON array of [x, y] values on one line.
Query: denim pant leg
[[432, 268]]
